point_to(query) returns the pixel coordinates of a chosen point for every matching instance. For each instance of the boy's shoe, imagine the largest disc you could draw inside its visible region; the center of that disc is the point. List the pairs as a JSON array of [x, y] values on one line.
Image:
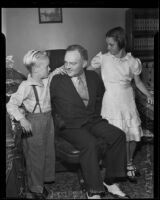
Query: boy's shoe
[[49, 182], [115, 191], [93, 196], [48, 194], [38, 196]]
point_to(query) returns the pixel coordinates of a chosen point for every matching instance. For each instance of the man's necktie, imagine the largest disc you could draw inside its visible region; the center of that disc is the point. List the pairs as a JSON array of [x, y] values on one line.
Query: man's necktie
[[82, 90]]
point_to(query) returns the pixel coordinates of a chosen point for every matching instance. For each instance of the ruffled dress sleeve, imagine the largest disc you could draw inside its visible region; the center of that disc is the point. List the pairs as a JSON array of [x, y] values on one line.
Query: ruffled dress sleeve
[[96, 61], [136, 66]]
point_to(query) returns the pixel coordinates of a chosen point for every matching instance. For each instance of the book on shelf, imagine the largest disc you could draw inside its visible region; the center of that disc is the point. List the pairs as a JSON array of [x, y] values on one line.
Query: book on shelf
[[149, 24], [143, 43], [148, 64]]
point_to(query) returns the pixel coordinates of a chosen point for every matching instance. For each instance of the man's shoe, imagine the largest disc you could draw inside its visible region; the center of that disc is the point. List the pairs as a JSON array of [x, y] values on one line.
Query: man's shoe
[[93, 196], [115, 191]]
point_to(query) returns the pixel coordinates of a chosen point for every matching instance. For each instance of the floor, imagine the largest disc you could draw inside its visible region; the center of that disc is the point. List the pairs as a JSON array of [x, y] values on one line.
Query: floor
[[66, 185]]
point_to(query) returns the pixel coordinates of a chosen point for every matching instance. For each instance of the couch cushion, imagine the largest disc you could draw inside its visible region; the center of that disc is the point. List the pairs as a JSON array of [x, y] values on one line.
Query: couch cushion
[[65, 150]]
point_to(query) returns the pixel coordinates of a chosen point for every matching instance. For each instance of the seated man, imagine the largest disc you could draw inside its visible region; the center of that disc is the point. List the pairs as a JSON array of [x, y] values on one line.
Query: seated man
[[75, 98]]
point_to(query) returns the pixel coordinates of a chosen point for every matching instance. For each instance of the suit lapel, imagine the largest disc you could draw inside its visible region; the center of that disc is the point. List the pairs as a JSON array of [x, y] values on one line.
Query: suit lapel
[[89, 86]]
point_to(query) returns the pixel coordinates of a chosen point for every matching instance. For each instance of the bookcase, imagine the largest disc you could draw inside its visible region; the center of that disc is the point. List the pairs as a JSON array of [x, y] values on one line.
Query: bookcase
[[142, 24], [141, 27]]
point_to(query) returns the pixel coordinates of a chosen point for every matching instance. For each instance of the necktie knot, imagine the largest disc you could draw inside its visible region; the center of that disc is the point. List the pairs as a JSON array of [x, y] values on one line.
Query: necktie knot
[[79, 80]]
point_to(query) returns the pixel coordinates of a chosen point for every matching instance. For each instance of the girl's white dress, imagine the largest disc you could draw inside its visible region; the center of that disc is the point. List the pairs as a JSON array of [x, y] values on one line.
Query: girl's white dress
[[118, 105]]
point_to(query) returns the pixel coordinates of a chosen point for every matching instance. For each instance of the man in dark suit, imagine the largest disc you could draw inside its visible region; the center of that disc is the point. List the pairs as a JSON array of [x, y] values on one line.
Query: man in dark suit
[[76, 99]]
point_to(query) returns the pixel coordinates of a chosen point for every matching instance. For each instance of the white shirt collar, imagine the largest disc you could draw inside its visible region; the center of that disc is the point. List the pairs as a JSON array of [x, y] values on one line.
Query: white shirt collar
[[126, 57], [34, 82], [82, 76]]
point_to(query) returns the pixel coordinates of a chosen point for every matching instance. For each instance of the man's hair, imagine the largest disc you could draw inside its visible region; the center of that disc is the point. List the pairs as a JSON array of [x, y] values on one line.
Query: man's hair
[[119, 35], [83, 52], [31, 57]]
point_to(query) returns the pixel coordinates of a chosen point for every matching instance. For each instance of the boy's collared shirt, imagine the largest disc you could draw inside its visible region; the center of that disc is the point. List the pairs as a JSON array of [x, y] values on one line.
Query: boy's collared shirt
[[25, 94]]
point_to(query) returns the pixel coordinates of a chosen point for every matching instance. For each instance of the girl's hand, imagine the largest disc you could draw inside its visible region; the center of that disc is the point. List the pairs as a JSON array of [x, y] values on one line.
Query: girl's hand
[[150, 99]]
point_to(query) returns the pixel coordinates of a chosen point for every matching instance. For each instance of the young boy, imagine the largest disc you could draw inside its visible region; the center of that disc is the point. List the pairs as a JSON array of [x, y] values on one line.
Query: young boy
[[37, 123]]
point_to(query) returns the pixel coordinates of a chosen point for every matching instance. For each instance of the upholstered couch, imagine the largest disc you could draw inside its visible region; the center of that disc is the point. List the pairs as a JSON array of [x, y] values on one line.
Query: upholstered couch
[[146, 112], [145, 109], [15, 167]]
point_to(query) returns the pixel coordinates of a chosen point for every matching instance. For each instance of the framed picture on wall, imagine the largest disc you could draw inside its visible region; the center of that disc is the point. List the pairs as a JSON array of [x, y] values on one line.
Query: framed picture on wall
[[50, 15]]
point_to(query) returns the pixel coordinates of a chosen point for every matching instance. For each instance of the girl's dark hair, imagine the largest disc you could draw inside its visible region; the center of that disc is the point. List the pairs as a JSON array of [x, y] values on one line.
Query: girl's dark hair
[[83, 52], [119, 35]]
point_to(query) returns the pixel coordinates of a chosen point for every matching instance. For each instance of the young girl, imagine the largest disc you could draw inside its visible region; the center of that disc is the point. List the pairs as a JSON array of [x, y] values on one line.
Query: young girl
[[118, 68], [38, 145]]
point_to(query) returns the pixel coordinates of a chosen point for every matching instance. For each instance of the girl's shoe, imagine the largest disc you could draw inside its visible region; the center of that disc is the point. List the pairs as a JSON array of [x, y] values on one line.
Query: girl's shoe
[[131, 173]]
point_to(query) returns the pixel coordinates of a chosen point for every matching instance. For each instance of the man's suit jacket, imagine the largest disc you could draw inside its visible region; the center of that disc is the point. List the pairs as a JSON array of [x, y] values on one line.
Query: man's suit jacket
[[68, 106]]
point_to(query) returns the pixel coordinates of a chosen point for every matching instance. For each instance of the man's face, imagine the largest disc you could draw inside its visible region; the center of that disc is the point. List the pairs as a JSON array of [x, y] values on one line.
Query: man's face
[[74, 63]]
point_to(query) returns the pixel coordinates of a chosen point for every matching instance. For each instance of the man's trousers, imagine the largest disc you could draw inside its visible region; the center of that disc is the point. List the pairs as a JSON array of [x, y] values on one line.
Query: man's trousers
[[85, 139]]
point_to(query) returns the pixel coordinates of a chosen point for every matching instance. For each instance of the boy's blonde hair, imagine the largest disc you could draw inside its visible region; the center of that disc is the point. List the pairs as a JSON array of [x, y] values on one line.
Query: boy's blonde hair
[[31, 57]]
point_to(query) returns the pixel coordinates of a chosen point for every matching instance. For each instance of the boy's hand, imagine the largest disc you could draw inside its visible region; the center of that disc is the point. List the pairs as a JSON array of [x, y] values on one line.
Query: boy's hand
[[60, 70], [26, 125]]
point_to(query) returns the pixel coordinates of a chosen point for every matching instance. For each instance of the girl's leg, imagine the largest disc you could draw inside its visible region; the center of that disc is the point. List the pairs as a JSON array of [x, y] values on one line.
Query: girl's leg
[[128, 151], [132, 147]]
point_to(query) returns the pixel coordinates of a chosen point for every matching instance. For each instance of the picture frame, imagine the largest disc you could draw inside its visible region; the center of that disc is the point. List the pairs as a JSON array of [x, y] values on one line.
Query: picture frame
[[50, 15]]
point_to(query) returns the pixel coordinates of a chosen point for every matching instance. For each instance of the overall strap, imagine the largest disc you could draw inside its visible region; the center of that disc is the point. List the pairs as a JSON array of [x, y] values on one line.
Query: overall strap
[[37, 99]]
